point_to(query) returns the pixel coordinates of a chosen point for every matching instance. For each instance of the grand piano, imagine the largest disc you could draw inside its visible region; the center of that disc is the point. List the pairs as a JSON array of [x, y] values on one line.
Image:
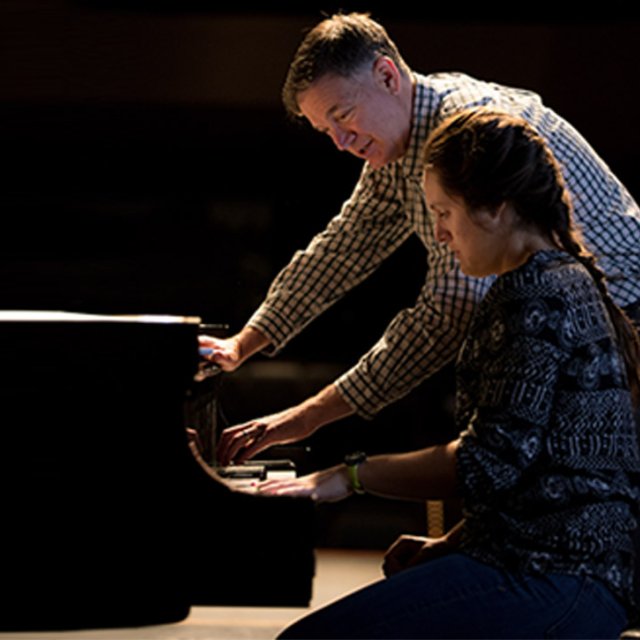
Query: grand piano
[[108, 517]]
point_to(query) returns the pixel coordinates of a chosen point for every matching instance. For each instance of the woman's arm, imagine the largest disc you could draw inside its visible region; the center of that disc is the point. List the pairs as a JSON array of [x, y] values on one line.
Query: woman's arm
[[417, 475]]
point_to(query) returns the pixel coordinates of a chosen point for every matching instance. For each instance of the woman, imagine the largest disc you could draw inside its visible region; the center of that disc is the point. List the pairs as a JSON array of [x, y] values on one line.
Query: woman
[[547, 460]]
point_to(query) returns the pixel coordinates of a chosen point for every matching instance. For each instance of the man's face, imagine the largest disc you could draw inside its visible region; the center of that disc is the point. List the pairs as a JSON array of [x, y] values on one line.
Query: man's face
[[366, 114]]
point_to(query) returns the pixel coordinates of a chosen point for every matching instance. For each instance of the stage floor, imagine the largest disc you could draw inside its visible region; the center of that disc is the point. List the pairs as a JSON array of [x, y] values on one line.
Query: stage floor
[[337, 572]]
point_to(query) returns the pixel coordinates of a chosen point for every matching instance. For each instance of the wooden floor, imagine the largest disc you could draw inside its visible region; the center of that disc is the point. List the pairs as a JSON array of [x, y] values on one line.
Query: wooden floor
[[337, 572]]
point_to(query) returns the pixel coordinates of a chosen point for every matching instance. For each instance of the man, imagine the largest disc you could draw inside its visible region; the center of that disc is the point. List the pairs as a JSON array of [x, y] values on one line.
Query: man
[[349, 81]]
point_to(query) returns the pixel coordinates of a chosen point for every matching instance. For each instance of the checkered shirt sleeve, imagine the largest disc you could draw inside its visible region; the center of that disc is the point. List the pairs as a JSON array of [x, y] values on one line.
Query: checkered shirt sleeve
[[370, 226]]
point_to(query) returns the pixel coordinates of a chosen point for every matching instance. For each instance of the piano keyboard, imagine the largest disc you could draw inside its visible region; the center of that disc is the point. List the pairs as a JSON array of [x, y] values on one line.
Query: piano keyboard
[[244, 476]]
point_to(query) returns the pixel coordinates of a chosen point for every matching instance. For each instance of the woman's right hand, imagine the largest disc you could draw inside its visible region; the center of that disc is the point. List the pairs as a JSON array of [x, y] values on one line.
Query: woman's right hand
[[408, 551], [328, 485]]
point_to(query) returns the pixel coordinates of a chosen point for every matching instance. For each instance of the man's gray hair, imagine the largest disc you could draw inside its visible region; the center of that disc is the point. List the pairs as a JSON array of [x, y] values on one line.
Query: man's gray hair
[[340, 45]]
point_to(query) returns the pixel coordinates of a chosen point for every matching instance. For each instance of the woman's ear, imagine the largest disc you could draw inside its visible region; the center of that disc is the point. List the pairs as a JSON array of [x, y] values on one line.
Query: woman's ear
[[498, 218]]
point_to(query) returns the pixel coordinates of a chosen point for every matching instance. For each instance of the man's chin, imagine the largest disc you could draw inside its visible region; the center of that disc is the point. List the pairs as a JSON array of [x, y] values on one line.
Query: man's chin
[[378, 163]]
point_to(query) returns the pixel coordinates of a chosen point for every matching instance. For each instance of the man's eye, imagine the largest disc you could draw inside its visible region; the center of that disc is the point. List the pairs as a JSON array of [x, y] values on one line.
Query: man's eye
[[345, 115]]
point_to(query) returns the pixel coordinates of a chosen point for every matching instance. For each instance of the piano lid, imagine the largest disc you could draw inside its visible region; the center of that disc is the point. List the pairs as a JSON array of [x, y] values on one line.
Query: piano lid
[[67, 316]]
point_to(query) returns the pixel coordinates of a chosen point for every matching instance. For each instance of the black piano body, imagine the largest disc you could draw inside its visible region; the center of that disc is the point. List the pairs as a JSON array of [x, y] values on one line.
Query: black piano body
[[108, 519]]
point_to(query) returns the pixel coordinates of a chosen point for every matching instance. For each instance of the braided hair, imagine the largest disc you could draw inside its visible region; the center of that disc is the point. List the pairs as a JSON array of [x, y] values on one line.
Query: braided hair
[[489, 157]]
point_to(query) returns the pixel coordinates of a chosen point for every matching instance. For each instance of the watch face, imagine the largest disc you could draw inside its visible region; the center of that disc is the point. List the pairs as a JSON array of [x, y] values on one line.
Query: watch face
[[355, 458]]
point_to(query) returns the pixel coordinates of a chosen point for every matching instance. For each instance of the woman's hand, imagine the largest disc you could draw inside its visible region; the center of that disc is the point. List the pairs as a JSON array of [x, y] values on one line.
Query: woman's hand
[[409, 551], [329, 485]]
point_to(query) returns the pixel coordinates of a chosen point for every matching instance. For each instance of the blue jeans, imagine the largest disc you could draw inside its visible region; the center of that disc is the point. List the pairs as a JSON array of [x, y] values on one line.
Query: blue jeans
[[459, 597]]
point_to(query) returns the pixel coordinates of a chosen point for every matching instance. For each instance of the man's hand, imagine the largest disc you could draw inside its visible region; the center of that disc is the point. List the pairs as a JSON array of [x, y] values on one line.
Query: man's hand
[[244, 441], [224, 352], [230, 353], [408, 551]]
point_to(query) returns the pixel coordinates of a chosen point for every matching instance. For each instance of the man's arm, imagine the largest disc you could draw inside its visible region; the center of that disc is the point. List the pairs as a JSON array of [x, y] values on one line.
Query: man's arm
[[418, 342], [370, 227], [244, 441]]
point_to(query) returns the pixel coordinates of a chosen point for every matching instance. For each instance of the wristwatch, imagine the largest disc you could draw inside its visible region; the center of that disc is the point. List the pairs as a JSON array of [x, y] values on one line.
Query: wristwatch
[[353, 461]]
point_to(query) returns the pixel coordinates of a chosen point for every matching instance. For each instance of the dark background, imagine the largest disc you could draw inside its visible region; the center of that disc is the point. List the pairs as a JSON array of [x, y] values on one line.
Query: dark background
[[148, 166]]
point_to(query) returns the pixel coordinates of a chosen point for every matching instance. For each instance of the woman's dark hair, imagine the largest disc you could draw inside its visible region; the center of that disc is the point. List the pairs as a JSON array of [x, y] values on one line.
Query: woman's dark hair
[[489, 157], [340, 45]]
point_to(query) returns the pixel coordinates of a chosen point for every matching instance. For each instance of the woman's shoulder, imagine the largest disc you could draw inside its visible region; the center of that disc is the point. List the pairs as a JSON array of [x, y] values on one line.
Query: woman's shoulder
[[552, 296], [548, 274]]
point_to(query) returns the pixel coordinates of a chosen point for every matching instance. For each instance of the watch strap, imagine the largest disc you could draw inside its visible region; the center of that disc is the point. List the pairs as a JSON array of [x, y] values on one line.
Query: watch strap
[[353, 462]]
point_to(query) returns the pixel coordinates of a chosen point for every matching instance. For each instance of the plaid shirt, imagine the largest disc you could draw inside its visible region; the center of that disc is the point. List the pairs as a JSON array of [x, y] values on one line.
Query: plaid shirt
[[387, 206]]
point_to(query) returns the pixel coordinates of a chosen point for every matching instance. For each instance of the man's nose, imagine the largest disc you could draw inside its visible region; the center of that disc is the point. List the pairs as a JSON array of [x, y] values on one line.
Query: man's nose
[[342, 138]]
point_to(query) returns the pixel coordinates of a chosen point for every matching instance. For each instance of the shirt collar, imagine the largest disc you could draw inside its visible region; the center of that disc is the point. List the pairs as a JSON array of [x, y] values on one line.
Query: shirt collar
[[412, 163]]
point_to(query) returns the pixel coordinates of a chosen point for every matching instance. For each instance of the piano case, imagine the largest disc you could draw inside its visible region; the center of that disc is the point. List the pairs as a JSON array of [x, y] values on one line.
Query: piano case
[[107, 518]]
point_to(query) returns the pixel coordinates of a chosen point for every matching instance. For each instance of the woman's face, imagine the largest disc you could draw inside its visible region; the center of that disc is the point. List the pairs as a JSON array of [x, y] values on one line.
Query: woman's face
[[477, 237]]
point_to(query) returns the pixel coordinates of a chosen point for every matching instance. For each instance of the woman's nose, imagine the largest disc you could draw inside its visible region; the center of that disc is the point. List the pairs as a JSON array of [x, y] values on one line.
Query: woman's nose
[[442, 235]]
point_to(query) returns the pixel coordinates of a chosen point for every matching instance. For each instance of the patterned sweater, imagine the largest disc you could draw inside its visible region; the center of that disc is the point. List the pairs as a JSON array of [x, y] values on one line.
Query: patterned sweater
[[549, 456]]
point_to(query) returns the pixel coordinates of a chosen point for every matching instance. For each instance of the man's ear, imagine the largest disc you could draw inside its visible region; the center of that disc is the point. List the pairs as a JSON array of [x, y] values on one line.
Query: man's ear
[[387, 75]]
